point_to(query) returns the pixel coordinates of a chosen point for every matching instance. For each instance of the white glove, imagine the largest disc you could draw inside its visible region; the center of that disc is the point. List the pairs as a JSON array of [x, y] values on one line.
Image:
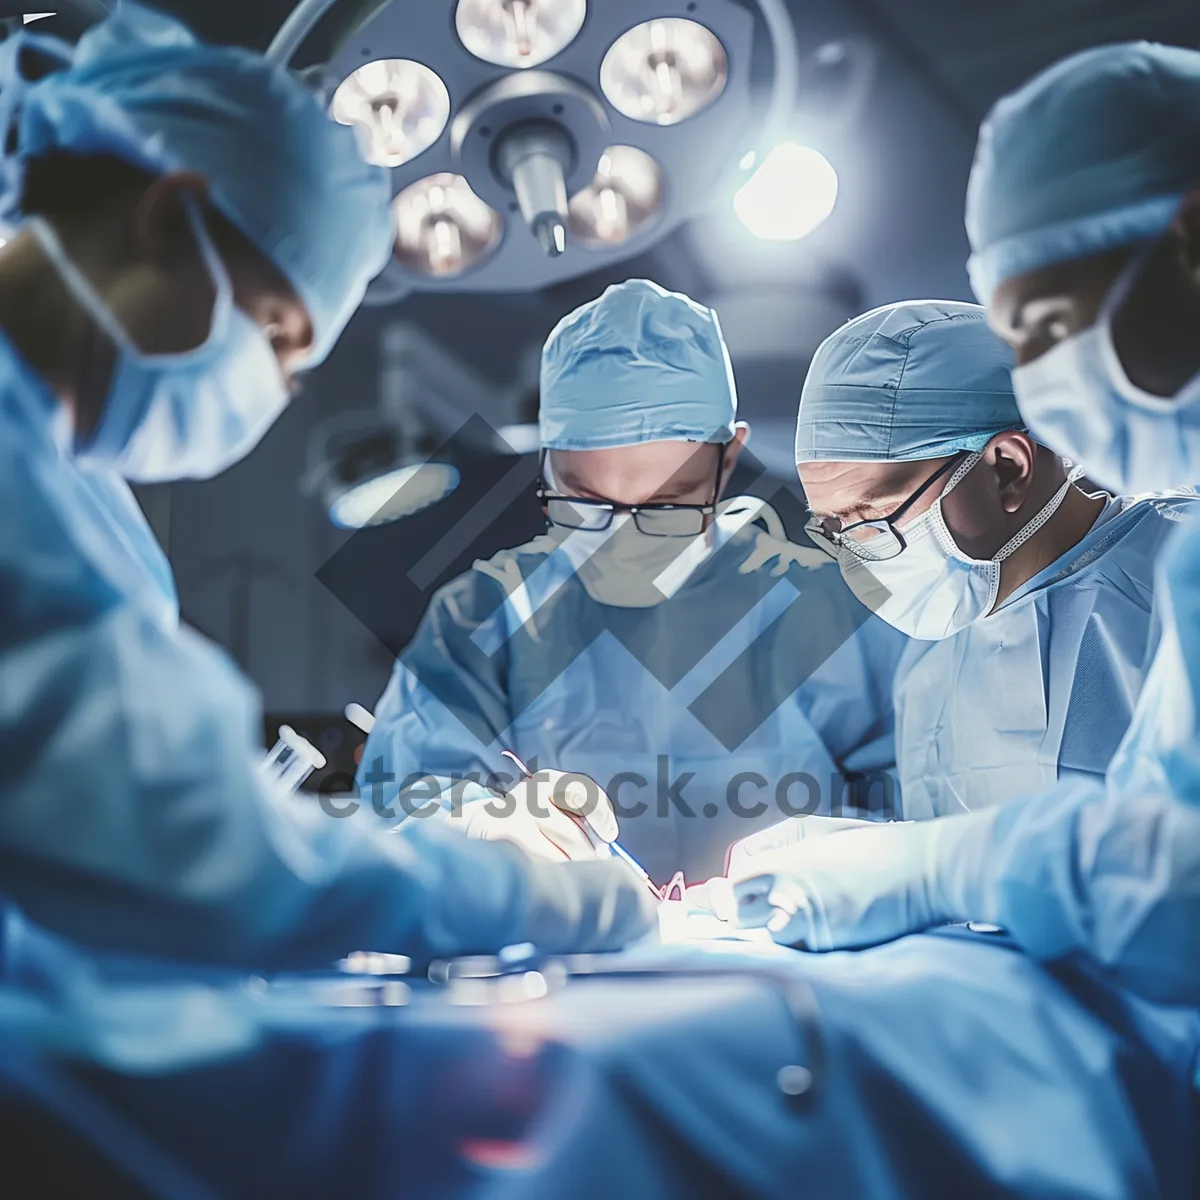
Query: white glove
[[555, 815], [743, 855], [857, 887]]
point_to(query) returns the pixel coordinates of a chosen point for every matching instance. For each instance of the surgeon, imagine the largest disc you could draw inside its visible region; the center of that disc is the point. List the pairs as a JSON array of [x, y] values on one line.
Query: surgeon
[[713, 677], [193, 233], [1025, 597], [1081, 213]]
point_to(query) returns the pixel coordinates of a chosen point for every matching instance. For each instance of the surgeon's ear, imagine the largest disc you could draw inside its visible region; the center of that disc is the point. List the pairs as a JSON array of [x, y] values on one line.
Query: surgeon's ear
[[161, 230], [733, 448], [1012, 457]]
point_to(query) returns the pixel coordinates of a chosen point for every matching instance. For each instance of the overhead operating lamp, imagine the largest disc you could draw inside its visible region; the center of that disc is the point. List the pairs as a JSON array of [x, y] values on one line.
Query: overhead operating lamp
[[367, 471], [531, 141], [372, 466]]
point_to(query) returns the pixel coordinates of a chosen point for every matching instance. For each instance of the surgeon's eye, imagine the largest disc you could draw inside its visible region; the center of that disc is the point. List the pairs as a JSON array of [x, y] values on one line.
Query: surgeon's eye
[[1048, 327], [1055, 329], [1043, 334]]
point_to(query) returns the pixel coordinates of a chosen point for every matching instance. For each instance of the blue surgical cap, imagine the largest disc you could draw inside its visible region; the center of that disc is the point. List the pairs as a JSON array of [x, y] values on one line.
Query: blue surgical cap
[[640, 364], [1096, 152], [140, 87], [907, 381]]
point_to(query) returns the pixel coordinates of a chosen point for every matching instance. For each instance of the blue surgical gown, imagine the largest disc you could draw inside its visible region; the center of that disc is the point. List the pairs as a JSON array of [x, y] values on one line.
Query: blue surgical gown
[[143, 570], [746, 697], [1061, 663], [132, 813], [1110, 870]]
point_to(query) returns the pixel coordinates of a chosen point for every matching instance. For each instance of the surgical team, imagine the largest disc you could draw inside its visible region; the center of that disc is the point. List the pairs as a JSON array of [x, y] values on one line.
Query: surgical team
[[973, 679]]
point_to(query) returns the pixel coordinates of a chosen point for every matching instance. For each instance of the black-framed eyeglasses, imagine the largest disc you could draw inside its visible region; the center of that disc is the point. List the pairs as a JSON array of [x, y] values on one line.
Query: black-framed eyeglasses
[[654, 520], [876, 540]]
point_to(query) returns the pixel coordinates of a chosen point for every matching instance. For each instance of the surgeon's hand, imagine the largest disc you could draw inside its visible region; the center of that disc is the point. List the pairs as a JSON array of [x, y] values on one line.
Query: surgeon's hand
[[580, 907], [744, 854], [856, 887], [560, 816]]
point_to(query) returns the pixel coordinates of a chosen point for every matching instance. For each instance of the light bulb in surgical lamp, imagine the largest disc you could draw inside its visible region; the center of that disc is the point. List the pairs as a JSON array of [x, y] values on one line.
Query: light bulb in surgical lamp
[[664, 71], [790, 194], [518, 33], [398, 107], [442, 226], [623, 197], [393, 495]]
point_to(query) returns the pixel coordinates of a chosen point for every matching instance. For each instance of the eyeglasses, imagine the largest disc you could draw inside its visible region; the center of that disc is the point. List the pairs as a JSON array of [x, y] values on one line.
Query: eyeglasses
[[876, 540], [654, 520]]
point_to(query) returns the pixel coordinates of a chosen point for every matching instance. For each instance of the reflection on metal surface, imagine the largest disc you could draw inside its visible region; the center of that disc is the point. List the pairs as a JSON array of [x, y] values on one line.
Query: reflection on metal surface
[[398, 107], [625, 195], [442, 226], [664, 71], [518, 33]]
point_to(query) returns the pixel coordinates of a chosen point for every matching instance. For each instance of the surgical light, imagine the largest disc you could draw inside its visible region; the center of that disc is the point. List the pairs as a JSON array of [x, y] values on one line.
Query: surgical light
[[366, 469], [521, 437], [395, 494], [518, 33], [442, 226], [625, 195], [398, 107], [664, 71], [790, 194], [540, 91]]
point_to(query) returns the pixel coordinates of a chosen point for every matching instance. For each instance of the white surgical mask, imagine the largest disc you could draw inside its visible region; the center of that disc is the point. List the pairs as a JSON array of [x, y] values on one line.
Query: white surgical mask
[[931, 590], [1078, 400], [187, 415], [626, 568]]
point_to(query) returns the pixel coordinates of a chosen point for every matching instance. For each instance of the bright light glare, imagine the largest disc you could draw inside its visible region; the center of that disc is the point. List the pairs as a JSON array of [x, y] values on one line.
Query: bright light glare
[[29, 18], [664, 71], [398, 108], [793, 191], [518, 33], [396, 494]]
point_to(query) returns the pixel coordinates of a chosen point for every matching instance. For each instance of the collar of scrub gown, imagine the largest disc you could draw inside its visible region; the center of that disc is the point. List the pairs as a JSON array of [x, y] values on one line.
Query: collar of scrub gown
[[1085, 551]]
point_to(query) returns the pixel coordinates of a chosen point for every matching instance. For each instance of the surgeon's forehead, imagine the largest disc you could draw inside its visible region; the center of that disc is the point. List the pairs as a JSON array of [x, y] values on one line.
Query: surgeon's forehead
[[859, 490], [659, 470]]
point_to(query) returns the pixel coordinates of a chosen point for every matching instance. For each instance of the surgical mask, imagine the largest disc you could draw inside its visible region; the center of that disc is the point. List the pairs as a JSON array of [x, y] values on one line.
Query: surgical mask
[[931, 589], [179, 416], [626, 568], [1078, 400]]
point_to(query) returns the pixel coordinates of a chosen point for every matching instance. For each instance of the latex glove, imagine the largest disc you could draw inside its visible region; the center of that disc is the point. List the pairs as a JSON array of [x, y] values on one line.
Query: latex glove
[[744, 854], [715, 896], [857, 887], [555, 815], [580, 907]]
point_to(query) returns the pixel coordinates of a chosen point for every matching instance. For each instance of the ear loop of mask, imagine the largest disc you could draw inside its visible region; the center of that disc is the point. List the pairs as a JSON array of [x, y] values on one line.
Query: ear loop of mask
[[83, 291], [933, 520], [1022, 535], [1048, 510]]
